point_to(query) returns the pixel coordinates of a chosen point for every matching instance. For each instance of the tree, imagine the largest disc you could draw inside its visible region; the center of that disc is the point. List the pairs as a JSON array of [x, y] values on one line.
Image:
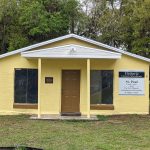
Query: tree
[[33, 20], [141, 27], [95, 12], [72, 11], [119, 23], [8, 20], [57, 21]]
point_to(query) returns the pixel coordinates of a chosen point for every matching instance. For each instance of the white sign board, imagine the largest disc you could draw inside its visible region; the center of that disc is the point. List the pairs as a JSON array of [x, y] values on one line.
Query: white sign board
[[131, 83]]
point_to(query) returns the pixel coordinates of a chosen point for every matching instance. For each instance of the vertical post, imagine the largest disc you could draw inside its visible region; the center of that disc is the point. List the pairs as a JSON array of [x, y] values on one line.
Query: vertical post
[[39, 87], [88, 88]]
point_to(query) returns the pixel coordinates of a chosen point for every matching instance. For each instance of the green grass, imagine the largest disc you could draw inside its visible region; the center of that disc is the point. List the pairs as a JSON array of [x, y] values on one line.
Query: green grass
[[116, 133], [102, 117]]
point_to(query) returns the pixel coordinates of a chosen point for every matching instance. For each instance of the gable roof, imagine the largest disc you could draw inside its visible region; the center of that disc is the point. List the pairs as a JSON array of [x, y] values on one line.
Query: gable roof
[[76, 37], [71, 51]]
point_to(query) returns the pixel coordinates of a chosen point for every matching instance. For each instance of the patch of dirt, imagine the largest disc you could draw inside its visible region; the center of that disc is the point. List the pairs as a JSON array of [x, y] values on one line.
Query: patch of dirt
[[116, 121], [127, 117]]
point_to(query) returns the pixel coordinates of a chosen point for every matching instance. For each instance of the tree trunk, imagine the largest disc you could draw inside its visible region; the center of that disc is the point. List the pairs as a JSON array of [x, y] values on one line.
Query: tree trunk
[[4, 47], [72, 25]]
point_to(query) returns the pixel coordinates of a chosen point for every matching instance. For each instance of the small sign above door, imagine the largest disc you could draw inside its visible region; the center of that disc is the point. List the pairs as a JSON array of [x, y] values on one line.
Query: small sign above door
[[48, 80]]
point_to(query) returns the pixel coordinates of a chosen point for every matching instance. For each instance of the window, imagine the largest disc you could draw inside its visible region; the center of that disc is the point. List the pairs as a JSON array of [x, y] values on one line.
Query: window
[[26, 86], [101, 87]]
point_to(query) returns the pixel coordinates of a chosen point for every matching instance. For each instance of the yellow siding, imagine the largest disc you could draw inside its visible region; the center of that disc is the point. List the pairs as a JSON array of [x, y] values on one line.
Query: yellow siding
[[126, 104], [7, 66], [51, 93]]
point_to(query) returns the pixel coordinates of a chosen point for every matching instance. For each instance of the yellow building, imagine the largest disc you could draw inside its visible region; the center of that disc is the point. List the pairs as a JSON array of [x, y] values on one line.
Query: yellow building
[[73, 75]]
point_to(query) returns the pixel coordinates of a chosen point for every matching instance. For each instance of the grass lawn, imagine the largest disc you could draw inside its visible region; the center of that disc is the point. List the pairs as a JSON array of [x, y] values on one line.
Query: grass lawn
[[117, 133]]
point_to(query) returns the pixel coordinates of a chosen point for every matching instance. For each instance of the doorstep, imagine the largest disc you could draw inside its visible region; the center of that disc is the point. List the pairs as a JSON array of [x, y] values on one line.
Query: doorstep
[[59, 117]]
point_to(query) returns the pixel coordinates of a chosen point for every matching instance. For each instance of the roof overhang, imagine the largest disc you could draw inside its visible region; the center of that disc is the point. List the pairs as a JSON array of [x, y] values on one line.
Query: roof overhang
[[71, 51]]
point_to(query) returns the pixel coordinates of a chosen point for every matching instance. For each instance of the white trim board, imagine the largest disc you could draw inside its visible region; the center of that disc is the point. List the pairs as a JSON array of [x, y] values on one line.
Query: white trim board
[[76, 37], [72, 51]]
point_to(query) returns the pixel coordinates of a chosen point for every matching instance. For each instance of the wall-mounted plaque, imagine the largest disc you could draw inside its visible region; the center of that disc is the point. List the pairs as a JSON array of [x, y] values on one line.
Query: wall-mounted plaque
[[48, 80], [131, 83]]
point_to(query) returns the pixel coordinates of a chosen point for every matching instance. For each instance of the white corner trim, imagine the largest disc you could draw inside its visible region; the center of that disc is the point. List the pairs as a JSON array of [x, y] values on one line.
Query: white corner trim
[[76, 37]]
